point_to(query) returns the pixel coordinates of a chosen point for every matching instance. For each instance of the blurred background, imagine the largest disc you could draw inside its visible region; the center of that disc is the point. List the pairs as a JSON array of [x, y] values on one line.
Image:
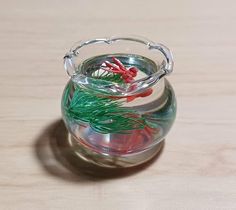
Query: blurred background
[[35, 35], [198, 167]]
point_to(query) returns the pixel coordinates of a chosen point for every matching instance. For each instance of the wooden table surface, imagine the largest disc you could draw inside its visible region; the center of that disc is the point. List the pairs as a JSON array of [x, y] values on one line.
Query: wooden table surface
[[197, 167]]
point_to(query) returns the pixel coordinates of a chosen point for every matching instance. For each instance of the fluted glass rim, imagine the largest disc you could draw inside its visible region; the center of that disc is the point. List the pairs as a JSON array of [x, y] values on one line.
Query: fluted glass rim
[[124, 89]]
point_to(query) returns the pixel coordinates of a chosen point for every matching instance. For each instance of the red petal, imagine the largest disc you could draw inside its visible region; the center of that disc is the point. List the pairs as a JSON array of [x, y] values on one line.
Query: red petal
[[130, 98], [118, 63], [146, 93]]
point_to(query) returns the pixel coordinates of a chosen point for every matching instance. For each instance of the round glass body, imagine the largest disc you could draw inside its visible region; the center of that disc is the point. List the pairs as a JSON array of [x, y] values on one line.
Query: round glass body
[[117, 105]]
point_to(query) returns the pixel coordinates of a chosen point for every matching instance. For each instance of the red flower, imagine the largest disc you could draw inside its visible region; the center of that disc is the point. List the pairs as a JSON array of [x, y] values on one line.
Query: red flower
[[117, 67], [127, 74]]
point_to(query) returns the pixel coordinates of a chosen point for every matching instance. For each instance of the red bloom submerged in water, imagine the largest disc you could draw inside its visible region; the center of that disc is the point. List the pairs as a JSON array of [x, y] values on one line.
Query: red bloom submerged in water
[[127, 74], [148, 92]]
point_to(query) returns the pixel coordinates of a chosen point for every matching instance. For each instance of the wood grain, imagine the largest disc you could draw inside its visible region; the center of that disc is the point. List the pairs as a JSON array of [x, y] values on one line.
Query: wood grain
[[197, 167]]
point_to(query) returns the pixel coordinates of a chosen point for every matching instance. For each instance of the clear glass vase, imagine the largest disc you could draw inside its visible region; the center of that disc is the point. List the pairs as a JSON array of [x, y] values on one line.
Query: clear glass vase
[[117, 105]]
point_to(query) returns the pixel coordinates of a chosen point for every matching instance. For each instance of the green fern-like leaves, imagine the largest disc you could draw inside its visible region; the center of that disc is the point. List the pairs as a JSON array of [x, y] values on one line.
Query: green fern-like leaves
[[105, 115]]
